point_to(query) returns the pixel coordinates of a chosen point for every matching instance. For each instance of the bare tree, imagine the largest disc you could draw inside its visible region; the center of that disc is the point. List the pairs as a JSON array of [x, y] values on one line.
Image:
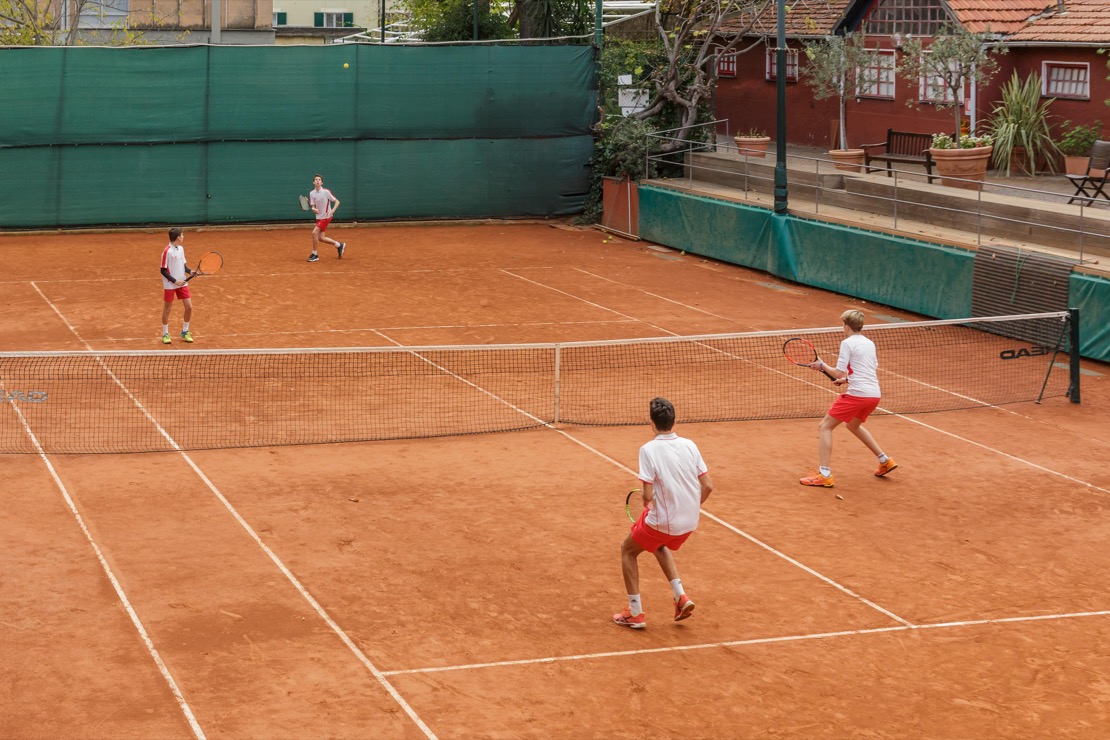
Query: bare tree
[[695, 34]]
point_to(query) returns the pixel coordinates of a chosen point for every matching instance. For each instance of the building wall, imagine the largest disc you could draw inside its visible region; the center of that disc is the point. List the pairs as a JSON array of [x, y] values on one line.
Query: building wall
[[749, 100]]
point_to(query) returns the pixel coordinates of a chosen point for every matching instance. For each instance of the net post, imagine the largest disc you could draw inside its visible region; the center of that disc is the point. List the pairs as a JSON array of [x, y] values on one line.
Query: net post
[[1073, 354], [558, 357]]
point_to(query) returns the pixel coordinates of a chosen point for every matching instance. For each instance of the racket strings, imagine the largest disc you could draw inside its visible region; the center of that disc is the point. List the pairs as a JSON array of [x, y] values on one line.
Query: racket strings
[[210, 263], [799, 352]]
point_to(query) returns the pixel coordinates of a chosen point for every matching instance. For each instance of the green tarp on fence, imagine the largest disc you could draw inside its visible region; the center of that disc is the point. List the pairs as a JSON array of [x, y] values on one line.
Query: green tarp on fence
[[212, 134], [929, 279]]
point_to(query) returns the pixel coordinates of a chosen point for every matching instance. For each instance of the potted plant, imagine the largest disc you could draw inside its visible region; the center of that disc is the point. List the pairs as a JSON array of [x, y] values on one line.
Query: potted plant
[[752, 143], [1020, 127], [1076, 144], [965, 158], [838, 66], [955, 58]]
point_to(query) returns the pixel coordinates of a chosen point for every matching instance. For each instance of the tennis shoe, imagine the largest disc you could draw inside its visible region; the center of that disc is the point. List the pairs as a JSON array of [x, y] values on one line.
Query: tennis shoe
[[313, 258], [818, 480], [886, 467], [340, 248], [625, 619], [187, 336], [683, 608], [165, 339]]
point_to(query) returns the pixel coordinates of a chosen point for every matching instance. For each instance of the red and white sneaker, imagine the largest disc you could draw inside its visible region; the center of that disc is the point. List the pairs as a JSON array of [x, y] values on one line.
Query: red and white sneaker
[[625, 619], [683, 608]]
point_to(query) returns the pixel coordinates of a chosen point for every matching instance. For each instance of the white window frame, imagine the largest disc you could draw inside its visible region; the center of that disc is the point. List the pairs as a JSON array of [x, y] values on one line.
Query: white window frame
[[927, 85], [335, 16], [1046, 87], [726, 65], [883, 88], [104, 13], [771, 63]]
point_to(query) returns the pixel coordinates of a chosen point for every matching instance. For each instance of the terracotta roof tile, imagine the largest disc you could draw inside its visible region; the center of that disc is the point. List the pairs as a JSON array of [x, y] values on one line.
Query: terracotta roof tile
[[1081, 21], [999, 16], [804, 18]]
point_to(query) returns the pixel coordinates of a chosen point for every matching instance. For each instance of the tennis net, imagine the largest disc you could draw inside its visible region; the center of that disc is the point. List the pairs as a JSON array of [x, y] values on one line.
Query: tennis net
[[119, 401]]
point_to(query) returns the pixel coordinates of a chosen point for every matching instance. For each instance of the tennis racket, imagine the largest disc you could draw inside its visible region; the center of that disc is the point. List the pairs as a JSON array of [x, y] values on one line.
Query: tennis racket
[[304, 202], [628, 503], [210, 263], [801, 352]]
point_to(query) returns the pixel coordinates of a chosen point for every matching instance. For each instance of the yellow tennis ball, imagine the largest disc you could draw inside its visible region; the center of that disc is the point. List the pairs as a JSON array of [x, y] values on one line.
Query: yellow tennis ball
[[345, 65]]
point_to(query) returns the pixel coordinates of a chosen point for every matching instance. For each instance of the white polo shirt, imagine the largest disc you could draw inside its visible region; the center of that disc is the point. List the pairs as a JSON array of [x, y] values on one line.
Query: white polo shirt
[[673, 465], [173, 259], [859, 359]]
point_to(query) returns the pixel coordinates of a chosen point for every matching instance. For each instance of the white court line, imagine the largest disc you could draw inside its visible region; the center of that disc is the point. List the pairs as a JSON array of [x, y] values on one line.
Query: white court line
[[357, 330], [742, 643], [656, 295], [320, 611], [120, 593], [997, 451]]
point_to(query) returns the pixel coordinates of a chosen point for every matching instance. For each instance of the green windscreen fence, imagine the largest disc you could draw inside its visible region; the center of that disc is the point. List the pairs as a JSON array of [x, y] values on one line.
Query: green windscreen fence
[[212, 134]]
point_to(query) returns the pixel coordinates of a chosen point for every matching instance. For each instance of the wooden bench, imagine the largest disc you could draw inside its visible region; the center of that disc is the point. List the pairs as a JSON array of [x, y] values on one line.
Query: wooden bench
[[903, 147]]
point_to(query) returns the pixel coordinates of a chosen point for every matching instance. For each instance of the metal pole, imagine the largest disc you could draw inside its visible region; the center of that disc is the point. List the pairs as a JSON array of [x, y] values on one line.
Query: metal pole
[[383, 21], [214, 36], [1073, 348], [599, 30], [780, 111]]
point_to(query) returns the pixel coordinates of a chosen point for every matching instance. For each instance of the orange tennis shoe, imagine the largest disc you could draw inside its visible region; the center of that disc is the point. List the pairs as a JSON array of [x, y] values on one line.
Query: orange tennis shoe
[[886, 467], [625, 619], [683, 608], [818, 480]]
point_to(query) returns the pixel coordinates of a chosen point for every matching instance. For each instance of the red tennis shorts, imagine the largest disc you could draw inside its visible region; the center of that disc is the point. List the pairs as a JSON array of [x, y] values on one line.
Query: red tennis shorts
[[846, 408], [182, 293], [652, 539], [322, 223]]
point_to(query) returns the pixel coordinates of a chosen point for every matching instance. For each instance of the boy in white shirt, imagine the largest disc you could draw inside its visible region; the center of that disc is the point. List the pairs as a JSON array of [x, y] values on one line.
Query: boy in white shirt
[[174, 285], [858, 362], [675, 484]]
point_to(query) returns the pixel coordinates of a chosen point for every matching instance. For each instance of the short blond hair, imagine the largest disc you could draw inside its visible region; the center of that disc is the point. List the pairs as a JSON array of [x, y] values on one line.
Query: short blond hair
[[853, 318]]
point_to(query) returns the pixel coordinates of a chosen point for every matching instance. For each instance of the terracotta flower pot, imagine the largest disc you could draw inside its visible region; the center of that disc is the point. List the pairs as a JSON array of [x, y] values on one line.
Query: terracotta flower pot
[[849, 160], [1078, 166], [752, 146], [970, 165]]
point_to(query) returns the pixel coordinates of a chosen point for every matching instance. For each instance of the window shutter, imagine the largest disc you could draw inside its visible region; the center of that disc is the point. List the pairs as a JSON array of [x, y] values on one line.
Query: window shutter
[[318, 20], [348, 20], [281, 19]]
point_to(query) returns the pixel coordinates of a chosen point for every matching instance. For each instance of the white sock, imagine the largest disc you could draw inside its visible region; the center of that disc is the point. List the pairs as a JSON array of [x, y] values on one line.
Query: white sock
[[165, 328], [634, 605], [185, 326], [882, 458], [825, 471], [676, 586]]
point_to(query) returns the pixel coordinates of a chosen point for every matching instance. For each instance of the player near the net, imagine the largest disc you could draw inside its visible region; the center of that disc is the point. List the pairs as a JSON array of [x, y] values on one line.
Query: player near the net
[[675, 484], [858, 364]]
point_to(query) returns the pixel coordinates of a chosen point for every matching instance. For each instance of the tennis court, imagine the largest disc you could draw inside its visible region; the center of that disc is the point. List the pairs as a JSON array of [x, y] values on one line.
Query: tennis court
[[462, 586]]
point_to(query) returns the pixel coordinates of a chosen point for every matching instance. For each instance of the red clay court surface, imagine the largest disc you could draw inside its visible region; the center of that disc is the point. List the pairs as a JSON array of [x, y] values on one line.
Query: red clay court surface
[[462, 587]]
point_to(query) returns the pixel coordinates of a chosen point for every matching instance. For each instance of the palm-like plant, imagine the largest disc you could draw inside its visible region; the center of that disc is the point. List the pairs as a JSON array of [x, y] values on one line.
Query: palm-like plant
[[1021, 120]]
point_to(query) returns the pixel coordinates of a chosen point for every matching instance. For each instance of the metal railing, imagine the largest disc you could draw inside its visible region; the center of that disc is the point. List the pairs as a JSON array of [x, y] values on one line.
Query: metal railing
[[898, 202]]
